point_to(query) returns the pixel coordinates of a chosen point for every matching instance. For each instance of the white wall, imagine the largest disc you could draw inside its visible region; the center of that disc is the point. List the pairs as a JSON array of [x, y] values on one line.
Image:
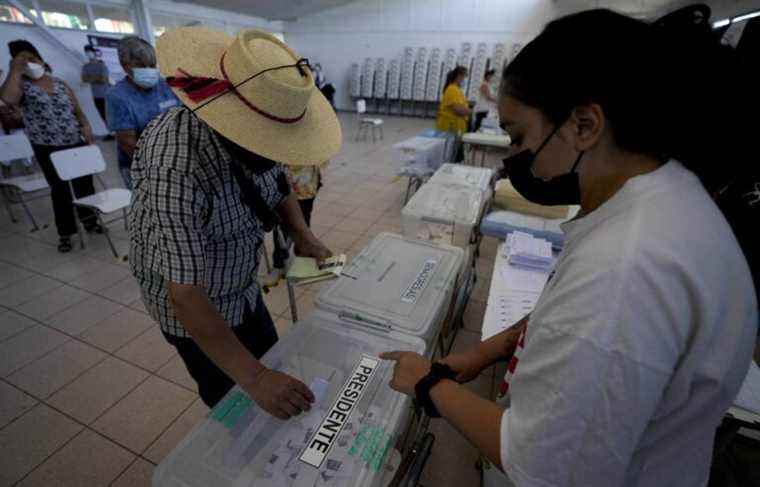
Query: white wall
[[382, 28], [68, 69]]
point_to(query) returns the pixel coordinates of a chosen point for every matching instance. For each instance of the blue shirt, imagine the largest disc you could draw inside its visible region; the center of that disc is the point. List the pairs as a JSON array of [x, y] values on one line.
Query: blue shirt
[[131, 108]]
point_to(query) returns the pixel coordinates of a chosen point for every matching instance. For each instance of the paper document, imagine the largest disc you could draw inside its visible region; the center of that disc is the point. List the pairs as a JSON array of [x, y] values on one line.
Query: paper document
[[305, 270], [506, 309], [749, 394], [526, 251], [523, 279]]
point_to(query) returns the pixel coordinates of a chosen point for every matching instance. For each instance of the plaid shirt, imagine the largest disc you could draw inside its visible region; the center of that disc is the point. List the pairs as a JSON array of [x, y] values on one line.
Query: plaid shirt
[[188, 224]]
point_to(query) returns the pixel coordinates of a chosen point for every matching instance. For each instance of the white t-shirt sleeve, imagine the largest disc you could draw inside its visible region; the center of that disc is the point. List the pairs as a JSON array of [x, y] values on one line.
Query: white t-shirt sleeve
[[581, 396]]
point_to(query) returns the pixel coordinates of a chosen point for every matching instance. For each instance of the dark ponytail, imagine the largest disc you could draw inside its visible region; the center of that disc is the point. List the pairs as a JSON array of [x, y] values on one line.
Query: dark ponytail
[[453, 75], [667, 89]]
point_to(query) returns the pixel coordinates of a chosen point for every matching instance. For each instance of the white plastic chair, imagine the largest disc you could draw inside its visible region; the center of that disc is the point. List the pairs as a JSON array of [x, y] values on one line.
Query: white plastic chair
[[86, 161], [367, 123], [13, 147]]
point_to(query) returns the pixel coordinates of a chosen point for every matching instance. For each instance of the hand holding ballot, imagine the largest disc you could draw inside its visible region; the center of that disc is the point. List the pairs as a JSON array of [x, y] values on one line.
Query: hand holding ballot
[[279, 394], [310, 246], [307, 270]]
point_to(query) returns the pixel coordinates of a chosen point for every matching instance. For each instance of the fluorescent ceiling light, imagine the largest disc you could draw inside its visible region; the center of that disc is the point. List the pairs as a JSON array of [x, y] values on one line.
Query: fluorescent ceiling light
[[748, 16], [721, 23]]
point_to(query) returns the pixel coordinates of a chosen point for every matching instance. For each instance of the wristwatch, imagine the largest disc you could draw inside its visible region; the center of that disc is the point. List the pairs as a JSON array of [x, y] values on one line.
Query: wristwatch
[[438, 372]]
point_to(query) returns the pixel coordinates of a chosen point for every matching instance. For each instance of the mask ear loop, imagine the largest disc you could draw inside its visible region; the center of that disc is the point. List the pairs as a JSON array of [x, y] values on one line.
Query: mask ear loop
[[547, 139], [577, 161]]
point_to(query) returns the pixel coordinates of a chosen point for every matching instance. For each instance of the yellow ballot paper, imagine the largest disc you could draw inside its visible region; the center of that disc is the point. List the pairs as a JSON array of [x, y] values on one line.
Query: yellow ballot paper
[[306, 270]]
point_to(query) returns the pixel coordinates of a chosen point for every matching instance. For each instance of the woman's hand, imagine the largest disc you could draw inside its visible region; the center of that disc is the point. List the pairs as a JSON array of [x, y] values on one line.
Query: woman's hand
[[409, 369], [17, 65], [87, 134], [468, 365], [311, 246]]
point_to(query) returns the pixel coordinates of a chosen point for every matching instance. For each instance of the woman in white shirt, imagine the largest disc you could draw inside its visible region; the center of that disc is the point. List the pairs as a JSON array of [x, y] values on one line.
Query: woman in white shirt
[[486, 100], [644, 333]]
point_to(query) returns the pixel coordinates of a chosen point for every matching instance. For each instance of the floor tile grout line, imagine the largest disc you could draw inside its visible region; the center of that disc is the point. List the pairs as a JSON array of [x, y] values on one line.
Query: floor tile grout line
[[92, 293], [103, 359], [124, 470], [75, 420], [48, 457], [171, 423], [108, 353], [13, 371]]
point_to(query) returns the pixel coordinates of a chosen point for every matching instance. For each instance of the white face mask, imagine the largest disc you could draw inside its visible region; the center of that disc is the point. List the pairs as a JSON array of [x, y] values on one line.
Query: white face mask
[[145, 77], [34, 70], [91, 55]]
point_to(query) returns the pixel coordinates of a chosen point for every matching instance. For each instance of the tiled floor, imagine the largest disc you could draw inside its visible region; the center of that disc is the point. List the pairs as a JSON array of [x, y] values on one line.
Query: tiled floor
[[90, 393]]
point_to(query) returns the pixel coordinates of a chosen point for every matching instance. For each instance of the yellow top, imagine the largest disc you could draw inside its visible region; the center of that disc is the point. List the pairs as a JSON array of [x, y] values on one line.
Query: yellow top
[[305, 180], [448, 120]]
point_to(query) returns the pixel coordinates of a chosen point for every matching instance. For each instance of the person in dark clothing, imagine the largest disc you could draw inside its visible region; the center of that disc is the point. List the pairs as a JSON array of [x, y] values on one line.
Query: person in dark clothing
[[95, 73], [54, 121]]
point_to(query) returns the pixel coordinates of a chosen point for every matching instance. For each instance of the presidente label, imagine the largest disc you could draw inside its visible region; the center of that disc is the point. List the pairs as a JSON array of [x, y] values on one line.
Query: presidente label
[[413, 292], [327, 433]]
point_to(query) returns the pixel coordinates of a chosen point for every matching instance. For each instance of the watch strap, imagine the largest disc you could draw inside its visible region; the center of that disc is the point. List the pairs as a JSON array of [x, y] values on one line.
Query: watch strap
[[438, 372]]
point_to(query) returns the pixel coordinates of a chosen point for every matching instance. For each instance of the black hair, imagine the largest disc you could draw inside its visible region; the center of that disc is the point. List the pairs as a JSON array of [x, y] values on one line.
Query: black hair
[[88, 48], [665, 91], [489, 73], [453, 75], [21, 45]]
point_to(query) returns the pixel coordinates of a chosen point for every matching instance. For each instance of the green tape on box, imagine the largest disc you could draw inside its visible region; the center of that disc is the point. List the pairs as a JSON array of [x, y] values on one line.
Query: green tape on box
[[237, 410], [379, 459], [359, 441], [225, 405], [372, 445]]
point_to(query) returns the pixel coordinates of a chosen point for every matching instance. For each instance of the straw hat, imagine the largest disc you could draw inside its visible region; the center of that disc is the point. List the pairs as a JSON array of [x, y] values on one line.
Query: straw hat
[[279, 114]]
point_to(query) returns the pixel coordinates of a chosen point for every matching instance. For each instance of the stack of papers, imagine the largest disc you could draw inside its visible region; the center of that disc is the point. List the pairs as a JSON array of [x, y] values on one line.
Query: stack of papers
[[513, 294], [528, 252], [306, 270]]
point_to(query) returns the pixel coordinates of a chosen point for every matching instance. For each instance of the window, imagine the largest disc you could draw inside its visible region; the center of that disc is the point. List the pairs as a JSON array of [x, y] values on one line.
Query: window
[[68, 15], [114, 19], [11, 14], [163, 22]]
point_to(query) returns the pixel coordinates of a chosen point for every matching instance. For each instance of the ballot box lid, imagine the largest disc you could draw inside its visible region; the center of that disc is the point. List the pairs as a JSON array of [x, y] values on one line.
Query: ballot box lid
[[418, 143], [346, 438], [451, 204], [396, 283], [461, 174]]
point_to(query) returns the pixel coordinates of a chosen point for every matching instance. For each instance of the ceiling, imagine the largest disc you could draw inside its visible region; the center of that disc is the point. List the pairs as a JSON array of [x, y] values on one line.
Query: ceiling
[[647, 9], [293, 9], [272, 9]]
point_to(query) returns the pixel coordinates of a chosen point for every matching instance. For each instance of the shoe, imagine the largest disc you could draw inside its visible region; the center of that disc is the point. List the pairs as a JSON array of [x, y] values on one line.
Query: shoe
[[64, 245]]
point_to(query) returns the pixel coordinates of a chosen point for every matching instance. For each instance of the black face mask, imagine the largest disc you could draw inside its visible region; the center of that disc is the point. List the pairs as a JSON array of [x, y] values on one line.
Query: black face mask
[[560, 190]]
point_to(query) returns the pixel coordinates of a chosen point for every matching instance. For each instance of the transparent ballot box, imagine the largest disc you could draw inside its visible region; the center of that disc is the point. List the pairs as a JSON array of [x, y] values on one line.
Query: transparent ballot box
[[396, 284], [424, 151], [347, 439], [444, 214], [461, 174]]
